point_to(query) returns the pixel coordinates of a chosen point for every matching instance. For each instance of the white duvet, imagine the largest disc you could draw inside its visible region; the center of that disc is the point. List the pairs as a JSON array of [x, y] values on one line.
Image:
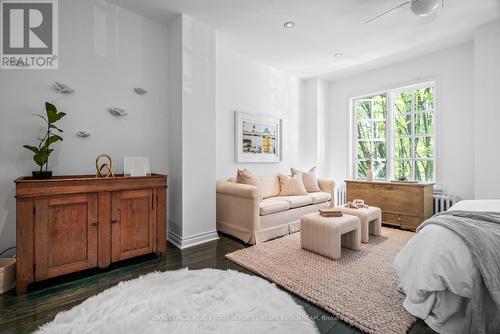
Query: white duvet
[[436, 272]]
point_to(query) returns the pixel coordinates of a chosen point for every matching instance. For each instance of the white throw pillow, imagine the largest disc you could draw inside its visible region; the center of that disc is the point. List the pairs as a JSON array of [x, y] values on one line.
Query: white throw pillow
[[244, 176], [309, 179], [292, 185]]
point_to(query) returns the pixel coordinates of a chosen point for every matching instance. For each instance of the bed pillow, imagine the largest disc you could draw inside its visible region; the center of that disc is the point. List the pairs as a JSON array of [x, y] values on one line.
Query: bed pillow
[[292, 185], [244, 176], [309, 178]]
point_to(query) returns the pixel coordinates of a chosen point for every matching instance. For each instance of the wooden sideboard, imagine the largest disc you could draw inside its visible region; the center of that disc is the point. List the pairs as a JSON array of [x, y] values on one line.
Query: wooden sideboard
[[71, 223], [403, 204]]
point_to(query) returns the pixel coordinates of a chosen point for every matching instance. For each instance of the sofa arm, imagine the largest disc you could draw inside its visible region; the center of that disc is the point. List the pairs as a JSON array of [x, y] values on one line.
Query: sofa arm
[[328, 186], [238, 212], [237, 189]]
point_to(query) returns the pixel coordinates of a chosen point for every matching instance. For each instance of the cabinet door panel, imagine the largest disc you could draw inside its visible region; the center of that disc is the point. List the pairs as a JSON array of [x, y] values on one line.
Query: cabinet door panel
[[132, 224], [65, 234]]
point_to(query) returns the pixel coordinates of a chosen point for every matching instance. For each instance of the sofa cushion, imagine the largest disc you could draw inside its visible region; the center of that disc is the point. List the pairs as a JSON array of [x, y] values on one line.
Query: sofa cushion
[[271, 205], [319, 197], [309, 178], [270, 186], [295, 201]]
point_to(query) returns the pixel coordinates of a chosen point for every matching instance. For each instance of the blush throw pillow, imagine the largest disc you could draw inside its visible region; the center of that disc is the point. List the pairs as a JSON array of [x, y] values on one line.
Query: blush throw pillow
[[245, 176], [292, 185], [309, 178]]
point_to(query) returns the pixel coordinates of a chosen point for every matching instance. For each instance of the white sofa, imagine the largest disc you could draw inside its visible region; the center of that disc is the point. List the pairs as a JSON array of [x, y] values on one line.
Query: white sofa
[[242, 214]]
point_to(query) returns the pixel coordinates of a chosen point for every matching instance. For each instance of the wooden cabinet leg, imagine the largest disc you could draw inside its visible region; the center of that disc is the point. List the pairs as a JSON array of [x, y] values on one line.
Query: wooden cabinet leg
[[21, 288]]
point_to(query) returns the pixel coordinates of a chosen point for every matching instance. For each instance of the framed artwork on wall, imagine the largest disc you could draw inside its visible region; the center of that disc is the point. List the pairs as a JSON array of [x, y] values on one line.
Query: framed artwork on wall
[[258, 138]]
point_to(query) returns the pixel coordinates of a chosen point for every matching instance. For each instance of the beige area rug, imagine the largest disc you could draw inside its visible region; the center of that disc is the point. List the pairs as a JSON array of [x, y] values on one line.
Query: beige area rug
[[361, 288]]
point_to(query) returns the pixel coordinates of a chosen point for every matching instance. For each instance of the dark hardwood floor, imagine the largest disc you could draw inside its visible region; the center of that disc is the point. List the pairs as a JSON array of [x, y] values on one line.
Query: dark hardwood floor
[[24, 313]]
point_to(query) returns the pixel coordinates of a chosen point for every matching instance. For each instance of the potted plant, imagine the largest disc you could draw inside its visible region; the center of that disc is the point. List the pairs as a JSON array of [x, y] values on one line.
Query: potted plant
[[42, 151]]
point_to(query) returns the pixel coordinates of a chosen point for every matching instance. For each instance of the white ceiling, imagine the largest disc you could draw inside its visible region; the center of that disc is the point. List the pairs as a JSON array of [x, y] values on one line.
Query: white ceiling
[[325, 27]]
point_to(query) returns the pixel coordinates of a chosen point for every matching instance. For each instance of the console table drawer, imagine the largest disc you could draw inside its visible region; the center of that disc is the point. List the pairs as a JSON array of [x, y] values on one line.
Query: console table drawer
[[406, 222]]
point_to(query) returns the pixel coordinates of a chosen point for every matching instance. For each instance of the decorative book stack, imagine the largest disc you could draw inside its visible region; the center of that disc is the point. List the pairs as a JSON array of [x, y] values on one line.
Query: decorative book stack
[[330, 212]]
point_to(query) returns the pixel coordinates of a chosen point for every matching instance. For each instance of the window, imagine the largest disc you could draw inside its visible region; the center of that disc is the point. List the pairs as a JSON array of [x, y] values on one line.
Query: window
[[395, 130]]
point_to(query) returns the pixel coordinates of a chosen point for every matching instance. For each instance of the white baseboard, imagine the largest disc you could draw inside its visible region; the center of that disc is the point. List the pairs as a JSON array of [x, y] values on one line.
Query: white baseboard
[[193, 240]]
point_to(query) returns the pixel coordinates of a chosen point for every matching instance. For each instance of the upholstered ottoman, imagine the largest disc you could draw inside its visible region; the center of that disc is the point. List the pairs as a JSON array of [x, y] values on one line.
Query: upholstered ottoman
[[371, 220], [326, 235]]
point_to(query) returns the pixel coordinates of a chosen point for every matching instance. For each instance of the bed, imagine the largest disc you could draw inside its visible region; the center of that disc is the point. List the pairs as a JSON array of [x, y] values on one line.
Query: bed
[[436, 271]]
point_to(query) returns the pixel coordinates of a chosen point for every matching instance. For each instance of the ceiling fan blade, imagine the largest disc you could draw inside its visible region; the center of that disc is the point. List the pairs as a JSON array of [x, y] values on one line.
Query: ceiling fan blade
[[429, 18], [407, 3]]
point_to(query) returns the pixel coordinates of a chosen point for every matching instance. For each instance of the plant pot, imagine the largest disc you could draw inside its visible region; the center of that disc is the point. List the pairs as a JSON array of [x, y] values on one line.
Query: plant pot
[[42, 175]]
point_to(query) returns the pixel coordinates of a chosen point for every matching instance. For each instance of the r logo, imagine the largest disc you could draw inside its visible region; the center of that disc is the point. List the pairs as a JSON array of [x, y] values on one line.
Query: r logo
[[27, 28]]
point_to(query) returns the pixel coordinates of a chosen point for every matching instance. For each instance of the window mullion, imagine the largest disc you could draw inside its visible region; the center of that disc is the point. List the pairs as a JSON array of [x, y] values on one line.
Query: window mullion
[[355, 140], [413, 162], [389, 136]]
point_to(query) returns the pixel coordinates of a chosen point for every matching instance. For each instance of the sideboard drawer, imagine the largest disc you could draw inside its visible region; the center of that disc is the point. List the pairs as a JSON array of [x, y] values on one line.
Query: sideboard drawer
[[406, 222]]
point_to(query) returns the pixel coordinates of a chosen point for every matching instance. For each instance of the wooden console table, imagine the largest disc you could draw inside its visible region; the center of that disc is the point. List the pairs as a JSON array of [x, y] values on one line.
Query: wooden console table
[[403, 204], [71, 223]]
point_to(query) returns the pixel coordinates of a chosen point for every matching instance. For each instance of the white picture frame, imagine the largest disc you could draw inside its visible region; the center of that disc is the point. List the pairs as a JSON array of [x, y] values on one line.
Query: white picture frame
[[136, 166], [258, 138]]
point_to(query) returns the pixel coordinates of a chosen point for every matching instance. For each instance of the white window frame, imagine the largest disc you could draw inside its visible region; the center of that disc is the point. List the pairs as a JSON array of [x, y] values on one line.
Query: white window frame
[[390, 135], [355, 131]]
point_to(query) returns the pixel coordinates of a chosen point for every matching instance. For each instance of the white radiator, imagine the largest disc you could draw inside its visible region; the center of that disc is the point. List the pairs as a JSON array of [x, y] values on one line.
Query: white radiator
[[442, 202], [340, 196]]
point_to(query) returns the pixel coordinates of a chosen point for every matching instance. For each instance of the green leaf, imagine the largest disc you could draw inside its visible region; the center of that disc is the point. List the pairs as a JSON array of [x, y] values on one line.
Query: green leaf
[[41, 158], [58, 116], [52, 126], [52, 114], [51, 111], [52, 139], [33, 149]]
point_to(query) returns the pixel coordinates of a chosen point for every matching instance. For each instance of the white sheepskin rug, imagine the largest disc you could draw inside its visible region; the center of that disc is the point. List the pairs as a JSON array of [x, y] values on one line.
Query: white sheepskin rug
[[185, 302]]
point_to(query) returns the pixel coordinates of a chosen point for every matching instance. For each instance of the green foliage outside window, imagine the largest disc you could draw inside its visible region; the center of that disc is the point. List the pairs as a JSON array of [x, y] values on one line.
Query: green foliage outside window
[[411, 135]]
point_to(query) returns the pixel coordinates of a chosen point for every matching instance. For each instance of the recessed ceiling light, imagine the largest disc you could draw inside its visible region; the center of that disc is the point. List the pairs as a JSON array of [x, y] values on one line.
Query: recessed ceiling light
[[289, 24], [338, 55]]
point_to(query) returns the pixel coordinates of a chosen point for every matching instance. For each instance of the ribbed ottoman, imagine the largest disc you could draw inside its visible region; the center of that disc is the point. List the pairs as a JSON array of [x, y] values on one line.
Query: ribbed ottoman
[[327, 235], [371, 220]]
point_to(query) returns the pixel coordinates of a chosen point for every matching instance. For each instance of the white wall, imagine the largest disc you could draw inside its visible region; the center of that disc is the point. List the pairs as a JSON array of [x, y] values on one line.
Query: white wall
[[105, 52], [487, 112], [192, 132], [452, 69], [312, 148], [198, 132], [245, 85], [175, 126], [308, 144]]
